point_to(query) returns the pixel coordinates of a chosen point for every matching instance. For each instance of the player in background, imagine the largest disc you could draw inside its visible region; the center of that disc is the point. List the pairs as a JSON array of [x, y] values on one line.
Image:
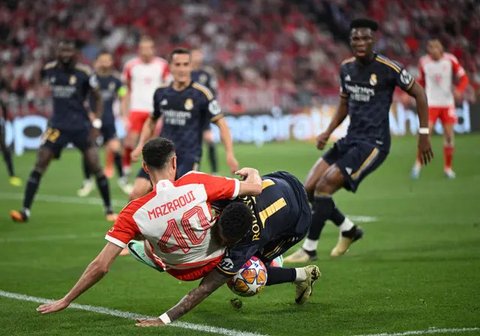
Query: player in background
[[174, 219], [181, 236], [142, 75], [206, 76], [186, 107], [6, 153], [444, 80], [111, 89], [70, 83], [367, 83]]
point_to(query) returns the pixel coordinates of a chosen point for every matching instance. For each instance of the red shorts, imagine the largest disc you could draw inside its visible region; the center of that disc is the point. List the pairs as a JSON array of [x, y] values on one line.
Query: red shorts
[[190, 274], [445, 114], [136, 119]]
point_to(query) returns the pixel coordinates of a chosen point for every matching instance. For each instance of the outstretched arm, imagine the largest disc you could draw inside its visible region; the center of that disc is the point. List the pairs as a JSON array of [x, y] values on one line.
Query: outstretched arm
[[207, 286], [424, 147], [93, 273]]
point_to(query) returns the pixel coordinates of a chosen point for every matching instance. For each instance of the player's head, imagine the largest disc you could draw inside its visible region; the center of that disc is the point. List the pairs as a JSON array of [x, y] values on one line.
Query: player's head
[[104, 62], [197, 58], [66, 52], [435, 48], [159, 157], [362, 37], [146, 48], [234, 223], [180, 62]]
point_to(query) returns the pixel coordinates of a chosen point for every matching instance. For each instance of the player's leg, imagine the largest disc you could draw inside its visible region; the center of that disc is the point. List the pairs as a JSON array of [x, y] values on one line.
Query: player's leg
[[433, 115], [448, 121], [136, 121], [113, 146], [87, 184], [44, 157], [212, 149], [90, 155], [7, 157]]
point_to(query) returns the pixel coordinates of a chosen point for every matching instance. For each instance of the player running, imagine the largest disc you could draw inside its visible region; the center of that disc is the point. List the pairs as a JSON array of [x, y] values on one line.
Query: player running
[[111, 88], [186, 107], [142, 75], [70, 83], [438, 73], [367, 83]]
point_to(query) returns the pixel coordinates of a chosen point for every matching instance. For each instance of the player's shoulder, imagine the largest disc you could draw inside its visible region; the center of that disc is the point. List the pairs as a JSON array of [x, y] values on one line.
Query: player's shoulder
[[83, 68], [348, 61], [385, 61], [133, 206], [192, 177], [160, 60], [203, 90], [450, 57], [116, 76], [50, 65]]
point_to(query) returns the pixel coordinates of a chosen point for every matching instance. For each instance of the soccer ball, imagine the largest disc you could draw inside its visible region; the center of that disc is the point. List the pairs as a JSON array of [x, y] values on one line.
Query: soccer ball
[[250, 279]]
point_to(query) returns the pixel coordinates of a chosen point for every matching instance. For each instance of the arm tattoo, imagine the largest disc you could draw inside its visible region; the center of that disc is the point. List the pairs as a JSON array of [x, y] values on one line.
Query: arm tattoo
[[209, 284]]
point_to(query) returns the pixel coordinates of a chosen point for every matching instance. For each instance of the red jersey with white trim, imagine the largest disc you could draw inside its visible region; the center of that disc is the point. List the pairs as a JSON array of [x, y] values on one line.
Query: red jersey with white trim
[[175, 219], [143, 79], [438, 79]]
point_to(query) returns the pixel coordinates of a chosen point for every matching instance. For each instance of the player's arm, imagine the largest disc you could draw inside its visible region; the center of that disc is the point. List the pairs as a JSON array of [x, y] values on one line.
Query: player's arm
[[461, 79], [207, 286], [94, 272], [97, 98], [338, 117], [424, 147], [252, 182], [226, 138]]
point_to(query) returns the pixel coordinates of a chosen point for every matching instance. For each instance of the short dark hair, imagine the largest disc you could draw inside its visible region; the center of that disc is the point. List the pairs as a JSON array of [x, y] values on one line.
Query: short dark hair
[[364, 23], [235, 222], [157, 152], [103, 52], [179, 51]]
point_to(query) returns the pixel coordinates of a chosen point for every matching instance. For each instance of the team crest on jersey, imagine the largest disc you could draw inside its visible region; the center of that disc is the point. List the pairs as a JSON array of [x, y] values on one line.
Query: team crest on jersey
[[203, 79], [373, 79], [188, 104], [72, 80], [111, 86]]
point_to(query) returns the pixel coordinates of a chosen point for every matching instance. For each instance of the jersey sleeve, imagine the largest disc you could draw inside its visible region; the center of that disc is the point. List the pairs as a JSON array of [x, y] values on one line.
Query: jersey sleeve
[[93, 82], [343, 89], [217, 187], [236, 257], [124, 229], [157, 104], [460, 74], [403, 78]]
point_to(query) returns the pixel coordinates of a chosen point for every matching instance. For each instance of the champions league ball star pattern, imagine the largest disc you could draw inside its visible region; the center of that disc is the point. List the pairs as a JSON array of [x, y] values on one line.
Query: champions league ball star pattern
[[250, 279]]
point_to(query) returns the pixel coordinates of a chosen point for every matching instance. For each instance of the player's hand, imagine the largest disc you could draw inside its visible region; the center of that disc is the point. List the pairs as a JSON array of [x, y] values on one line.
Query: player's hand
[[322, 139], [53, 307], [425, 149], [136, 153], [232, 163], [246, 172], [155, 322]]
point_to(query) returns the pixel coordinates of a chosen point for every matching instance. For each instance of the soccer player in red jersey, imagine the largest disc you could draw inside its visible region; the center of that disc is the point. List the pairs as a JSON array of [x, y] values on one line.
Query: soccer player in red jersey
[[445, 81]]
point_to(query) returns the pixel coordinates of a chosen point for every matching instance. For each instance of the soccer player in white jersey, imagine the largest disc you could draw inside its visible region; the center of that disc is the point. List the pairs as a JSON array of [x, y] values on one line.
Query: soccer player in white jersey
[[174, 219], [445, 81], [142, 75]]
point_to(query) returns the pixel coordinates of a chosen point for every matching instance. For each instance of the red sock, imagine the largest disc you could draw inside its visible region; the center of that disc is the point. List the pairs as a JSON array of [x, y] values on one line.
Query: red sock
[[109, 159], [126, 161], [448, 155]]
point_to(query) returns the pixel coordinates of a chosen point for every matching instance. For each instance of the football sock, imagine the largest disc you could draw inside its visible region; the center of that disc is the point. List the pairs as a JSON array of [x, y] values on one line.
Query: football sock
[[310, 246], [300, 274], [337, 217], [321, 211], [7, 156], [347, 225], [31, 189], [117, 157], [278, 275], [86, 170], [212, 157], [448, 155], [102, 184], [126, 156]]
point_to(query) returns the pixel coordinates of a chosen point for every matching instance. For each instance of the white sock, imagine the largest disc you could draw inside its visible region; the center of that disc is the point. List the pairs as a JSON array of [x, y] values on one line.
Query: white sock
[[347, 225], [301, 274], [310, 245], [27, 212]]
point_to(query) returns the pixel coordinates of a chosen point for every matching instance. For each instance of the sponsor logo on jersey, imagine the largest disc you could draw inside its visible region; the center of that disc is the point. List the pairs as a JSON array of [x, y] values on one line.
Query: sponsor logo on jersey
[[188, 104], [373, 79]]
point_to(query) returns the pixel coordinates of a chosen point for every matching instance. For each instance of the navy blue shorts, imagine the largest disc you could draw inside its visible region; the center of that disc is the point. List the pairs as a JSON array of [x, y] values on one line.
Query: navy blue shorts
[[355, 159], [56, 140], [183, 167], [108, 132]]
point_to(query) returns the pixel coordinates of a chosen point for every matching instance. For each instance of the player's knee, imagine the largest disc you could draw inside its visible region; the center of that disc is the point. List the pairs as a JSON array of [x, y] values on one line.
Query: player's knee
[[329, 182]]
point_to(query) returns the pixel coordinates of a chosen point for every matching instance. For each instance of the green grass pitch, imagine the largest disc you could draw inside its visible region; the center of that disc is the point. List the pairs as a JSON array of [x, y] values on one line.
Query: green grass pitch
[[418, 266]]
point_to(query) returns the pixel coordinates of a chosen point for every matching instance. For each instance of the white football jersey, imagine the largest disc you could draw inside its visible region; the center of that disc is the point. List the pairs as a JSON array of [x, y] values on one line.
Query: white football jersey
[[142, 80]]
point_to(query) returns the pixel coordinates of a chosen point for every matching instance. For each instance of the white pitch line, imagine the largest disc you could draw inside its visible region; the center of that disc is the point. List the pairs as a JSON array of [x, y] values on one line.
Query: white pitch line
[[51, 237], [63, 199], [427, 332], [132, 316]]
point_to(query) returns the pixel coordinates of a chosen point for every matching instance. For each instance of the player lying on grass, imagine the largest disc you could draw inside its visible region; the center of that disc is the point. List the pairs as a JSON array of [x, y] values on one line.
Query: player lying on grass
[[175, 220]]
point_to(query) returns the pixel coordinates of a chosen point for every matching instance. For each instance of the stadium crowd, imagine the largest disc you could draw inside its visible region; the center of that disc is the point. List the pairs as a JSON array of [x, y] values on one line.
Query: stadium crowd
[[265, 52]]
